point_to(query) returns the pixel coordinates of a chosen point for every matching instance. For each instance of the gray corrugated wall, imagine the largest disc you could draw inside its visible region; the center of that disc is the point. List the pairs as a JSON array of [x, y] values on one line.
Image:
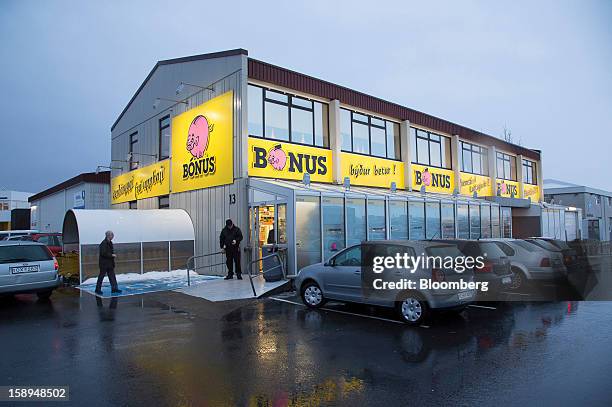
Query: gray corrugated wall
[[210, 207]]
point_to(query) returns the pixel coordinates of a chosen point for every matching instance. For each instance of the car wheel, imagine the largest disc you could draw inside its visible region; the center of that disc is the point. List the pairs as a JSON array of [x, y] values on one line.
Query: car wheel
[[312, 295], [44, 295], [412, 309], [518, 280]]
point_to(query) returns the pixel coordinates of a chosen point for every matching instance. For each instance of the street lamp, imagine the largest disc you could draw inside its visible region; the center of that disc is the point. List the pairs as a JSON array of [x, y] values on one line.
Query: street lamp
[[107, 167], [182, 85], [158, 100]]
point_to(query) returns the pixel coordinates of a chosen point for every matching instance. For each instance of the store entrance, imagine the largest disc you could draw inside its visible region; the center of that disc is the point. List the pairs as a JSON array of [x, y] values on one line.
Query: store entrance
[[268, 230]]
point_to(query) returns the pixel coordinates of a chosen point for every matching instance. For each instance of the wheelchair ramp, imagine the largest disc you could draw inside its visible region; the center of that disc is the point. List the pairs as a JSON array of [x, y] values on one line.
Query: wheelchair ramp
[[227, 290]]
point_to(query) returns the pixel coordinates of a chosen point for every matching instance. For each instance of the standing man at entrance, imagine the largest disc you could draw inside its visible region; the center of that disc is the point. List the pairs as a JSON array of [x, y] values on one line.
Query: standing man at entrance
[[229, 240], [106, 261]]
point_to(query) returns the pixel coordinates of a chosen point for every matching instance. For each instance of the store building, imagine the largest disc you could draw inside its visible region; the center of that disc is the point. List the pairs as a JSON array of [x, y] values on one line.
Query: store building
[[90, 190], [10, 201], [309, 165], [596, 206]]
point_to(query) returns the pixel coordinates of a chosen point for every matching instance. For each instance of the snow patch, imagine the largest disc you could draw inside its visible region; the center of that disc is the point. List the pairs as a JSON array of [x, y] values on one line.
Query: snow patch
[[151, 275]]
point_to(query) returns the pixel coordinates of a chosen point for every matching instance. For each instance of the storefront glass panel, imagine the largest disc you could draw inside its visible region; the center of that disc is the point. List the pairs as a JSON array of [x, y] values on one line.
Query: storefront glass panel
[[432, 213], [333, 226], [485, 221], [448, 220], [282, 224], [398, 220], [463, 222], [416, 216], [355, 221], [377, 229], [495, 226], [474, 221], [307, 230], [506, 222]]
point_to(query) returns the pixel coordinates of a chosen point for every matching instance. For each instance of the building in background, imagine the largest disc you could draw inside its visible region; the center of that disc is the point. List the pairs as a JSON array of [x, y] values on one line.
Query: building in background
[[596, 205], [89, 190], [10, 200], [310, 165]]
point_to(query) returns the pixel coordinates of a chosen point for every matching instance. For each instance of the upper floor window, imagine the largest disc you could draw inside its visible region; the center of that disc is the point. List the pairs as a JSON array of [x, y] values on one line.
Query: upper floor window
[[164, 137], [474, 159], [133, 141], [506, 166], [365, 134], [430, 149], [4, 206], [280, 116], [529, 172]]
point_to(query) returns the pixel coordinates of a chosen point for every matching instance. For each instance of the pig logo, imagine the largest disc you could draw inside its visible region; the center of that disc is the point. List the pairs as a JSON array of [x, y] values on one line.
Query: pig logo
[[504, 188], [426, 177], [198, 136], [277, 158]]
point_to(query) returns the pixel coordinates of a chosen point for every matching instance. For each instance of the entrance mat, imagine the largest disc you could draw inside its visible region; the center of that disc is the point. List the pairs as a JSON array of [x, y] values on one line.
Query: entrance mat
[[144, 284]]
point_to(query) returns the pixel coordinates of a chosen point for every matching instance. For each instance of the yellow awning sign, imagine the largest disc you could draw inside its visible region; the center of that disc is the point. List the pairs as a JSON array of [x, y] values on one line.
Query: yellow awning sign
[[531, 191], [507, 189], [202, 145], [470, 183], [372, 171], [146, 182], [433, 179], [282, 160]]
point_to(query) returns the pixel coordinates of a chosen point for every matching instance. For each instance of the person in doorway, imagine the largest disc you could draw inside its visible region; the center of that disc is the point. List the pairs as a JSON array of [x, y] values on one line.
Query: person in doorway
[[229, 240], [106, 262]]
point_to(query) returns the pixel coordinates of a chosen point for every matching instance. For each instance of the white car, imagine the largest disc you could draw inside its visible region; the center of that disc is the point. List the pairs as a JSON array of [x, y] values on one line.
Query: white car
[[27, 267]]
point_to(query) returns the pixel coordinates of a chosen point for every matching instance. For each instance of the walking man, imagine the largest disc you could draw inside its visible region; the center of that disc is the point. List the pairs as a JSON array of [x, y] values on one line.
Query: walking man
[[106, 262], [229, 240]]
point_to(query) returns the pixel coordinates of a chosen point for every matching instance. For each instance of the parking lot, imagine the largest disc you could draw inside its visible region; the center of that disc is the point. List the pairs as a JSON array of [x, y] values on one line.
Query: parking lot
[[172, 349]]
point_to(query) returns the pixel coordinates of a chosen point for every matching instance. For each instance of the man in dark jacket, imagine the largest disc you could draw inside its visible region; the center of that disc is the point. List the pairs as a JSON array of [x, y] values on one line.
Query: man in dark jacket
[[229, 240], [106, 262]]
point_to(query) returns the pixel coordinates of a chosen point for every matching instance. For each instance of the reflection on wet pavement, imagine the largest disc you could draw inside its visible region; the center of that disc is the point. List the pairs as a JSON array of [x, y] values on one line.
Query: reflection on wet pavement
[[172, 349]]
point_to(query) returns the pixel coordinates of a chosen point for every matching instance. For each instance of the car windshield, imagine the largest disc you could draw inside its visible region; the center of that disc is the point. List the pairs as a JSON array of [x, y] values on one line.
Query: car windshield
[[530, 247], [560, 244], [25, 253], [490, 249], [545, 245]]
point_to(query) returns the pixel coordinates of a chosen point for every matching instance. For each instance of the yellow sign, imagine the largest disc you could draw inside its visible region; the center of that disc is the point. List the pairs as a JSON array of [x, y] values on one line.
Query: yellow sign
[[531, 191], [470, 183], [146, 182], [434, 179], [507, 189], [202, 145], [277, 159], [372, 171]]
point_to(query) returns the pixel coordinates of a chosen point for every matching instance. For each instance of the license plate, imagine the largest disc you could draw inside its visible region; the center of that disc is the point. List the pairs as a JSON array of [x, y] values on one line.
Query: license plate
[[506, 280], [464, 295], [24, 269]]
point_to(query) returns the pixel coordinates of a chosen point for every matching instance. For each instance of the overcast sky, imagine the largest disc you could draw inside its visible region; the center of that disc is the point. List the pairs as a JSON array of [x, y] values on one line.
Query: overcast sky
[[543, 69]]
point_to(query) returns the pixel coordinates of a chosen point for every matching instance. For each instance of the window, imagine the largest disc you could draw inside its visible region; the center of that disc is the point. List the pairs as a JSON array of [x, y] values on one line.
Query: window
[[506, 166], [279, 116], [333, 226], [430, 149], [350, 257], [432, 220], [164, 138], [416, 220], [163, 202], [475, 222], [19, 254], [529, 172], [448, 220], [133, 141], [463, 223], [398, 220], [133, 204], [377, 229], [364, 134], [474, 159], [4, 206], [355, 220]]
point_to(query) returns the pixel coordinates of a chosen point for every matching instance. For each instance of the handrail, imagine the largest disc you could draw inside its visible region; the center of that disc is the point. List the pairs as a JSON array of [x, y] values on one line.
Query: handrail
[[280, 264], [192, 260]]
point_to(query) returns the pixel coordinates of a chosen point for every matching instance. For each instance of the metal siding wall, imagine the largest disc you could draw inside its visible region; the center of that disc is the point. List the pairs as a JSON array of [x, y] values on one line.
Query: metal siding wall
[[209, 207]]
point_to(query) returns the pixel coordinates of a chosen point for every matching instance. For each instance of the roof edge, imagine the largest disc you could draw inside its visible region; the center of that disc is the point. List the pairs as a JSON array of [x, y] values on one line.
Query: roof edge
[[210, 55], [102, 177]]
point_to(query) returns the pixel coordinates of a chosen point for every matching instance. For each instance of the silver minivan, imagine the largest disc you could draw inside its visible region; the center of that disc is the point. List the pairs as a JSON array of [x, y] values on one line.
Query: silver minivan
[[341, 279], [27, 267]]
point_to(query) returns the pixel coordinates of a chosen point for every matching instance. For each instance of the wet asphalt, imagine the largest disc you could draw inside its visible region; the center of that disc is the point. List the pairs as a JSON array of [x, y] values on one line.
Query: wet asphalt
[[175, 350]]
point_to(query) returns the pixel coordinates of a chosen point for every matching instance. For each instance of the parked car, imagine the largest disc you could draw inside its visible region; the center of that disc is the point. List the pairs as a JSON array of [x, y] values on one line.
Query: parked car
[[496, 271], [571, 260], [340, 278], [529, 262], [27, 267], [6, 234], [52, 240]]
